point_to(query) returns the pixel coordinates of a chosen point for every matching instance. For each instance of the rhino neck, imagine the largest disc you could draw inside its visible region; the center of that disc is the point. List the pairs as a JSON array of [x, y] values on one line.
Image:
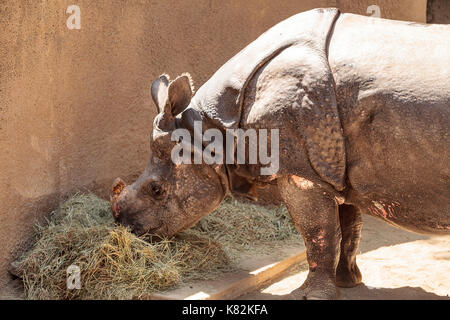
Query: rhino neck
[[187, 121], [238, 179]]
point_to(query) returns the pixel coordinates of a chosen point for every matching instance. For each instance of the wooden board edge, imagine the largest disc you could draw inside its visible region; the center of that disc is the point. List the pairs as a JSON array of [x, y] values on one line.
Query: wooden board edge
[[248, 284], [256, 281]]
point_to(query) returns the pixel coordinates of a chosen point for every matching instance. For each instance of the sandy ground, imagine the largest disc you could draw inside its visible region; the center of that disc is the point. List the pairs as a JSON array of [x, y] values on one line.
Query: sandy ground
[[395, 264]]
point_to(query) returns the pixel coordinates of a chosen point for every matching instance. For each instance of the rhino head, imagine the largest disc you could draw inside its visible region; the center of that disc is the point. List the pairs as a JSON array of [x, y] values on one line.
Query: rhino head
[[167, 197]]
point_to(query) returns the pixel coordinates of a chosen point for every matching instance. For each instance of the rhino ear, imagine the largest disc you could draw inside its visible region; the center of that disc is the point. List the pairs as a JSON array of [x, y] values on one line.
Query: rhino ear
[[159, 92], [180, 93], [118, 186]]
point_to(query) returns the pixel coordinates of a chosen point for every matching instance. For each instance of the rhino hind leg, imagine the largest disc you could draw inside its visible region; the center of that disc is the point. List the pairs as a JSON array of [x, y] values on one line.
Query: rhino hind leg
[[315, 214], [347, 272]]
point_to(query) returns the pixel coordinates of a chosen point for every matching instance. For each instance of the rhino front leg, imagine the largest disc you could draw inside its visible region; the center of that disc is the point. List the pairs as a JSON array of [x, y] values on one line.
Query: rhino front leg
[[347, 272], [315, 214]]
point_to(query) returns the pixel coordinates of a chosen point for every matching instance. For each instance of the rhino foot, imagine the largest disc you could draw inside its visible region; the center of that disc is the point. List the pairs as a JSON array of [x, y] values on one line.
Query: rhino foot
[[348, 277], [316, 288]]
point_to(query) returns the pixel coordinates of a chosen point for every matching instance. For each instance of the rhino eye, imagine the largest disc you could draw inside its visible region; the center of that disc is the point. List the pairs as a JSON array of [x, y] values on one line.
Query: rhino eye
[[156, 189], [153, 189]]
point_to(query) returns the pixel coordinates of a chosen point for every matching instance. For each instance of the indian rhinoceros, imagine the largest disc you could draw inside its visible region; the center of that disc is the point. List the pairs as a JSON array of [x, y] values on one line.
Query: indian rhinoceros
[[362, 108]]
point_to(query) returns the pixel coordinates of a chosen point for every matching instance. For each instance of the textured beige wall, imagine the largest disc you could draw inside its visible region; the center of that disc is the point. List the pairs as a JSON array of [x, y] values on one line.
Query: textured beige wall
[[408, 10], [75, 110]]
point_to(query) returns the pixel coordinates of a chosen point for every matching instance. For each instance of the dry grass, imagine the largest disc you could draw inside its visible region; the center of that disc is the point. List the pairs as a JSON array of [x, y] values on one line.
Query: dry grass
[[115, 264], [241, 225]]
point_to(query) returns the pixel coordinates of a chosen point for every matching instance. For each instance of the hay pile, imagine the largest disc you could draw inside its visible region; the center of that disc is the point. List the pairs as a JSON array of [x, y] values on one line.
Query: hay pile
[[115, 264], [241, 226]]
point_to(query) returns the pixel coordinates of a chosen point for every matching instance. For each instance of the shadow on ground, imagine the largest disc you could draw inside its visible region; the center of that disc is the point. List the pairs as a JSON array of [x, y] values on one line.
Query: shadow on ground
[[363, 292]]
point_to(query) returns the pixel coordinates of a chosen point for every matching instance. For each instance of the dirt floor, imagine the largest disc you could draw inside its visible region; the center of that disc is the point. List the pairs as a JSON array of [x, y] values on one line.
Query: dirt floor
[[395, 264]]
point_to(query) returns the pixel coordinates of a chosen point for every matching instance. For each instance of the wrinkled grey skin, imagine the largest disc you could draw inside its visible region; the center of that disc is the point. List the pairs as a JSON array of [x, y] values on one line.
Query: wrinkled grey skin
[[362, 105]]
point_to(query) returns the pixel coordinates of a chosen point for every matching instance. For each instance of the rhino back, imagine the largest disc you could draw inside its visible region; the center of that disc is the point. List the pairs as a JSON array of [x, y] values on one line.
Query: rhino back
[[220, 98], [393, 93]]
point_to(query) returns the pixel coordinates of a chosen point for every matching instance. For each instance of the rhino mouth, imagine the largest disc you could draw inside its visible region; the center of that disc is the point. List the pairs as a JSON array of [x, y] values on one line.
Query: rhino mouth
[[153, 231], [135, 227]]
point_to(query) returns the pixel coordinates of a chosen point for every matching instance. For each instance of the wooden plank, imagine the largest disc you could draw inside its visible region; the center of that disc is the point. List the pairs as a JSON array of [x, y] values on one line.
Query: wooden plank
[[259, 278], [235, 285]]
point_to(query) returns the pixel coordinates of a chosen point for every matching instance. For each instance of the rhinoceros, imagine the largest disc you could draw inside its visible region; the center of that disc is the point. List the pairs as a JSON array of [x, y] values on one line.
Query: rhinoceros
[[362, 109]]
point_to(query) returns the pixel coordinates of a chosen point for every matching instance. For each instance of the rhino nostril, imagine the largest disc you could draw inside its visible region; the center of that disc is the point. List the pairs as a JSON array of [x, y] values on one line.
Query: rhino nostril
[[116, 211], [115, 208]]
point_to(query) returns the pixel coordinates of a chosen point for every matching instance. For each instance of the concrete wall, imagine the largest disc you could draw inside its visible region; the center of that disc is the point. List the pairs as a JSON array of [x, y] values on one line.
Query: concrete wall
[[75, 109]]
